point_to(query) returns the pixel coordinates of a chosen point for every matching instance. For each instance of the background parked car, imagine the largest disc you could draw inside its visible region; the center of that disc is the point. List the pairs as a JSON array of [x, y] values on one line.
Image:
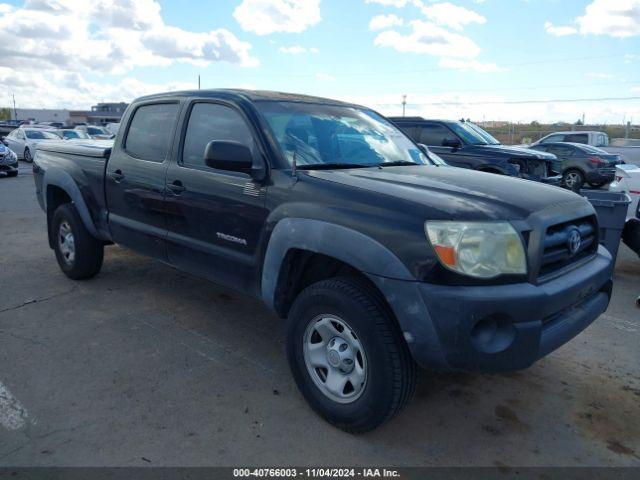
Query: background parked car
[[582, 163], [465, 145], [8, 162], [74, 134], [595, 139], [23, 141], [113, 128], [97, 133], [628, 180]]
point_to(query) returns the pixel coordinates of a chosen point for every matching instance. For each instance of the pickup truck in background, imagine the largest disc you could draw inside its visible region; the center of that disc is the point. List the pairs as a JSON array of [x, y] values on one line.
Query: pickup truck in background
[[466, 145], [379, 259]]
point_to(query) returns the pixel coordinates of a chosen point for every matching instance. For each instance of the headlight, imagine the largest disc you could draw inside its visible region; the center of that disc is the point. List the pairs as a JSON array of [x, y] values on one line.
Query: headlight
[[478, 249]]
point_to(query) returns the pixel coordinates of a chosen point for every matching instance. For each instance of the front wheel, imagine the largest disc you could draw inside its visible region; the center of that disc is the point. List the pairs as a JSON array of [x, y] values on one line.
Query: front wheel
[[573, 179], [78, 253], [347, 354], [27, 155]]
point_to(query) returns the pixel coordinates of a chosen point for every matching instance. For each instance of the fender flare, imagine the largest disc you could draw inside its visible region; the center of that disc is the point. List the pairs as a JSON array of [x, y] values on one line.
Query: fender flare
[[61, 179], [347, 245]]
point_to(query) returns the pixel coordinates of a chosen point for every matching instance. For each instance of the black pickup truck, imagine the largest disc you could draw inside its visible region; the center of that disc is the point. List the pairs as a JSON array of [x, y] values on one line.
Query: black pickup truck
[[466, 145], [379, 259]]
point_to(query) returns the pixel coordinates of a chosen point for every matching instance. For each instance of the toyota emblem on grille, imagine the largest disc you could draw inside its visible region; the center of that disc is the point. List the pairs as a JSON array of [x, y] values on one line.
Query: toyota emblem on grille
[[574, 240]]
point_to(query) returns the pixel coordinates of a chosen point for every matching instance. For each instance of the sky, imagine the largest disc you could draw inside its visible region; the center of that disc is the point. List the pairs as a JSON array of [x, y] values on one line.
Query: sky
[[512, 60]]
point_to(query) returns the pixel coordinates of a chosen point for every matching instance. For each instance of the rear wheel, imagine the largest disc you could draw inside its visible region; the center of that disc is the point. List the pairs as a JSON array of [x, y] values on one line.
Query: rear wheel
[[573, 179], [347, 354], [78, 253], [27, 155], [12, 174]]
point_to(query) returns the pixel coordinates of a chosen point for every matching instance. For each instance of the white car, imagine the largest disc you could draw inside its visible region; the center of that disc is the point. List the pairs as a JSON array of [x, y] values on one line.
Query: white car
[[628, 180], [95, 132], [23, 141]]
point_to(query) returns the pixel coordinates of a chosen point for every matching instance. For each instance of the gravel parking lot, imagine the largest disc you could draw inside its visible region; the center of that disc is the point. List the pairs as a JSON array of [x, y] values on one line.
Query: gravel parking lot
[[144, 365]]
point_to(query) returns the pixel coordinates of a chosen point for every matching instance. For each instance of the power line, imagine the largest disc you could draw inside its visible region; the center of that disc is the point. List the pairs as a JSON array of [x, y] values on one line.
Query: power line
[[519, 102]]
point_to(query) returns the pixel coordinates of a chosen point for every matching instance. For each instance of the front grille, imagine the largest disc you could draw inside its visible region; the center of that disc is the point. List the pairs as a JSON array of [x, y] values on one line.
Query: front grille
[[556, 249]]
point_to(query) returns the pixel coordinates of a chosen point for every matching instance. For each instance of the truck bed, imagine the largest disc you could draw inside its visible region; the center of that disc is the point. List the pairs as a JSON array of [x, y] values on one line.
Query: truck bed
[[85, 162]]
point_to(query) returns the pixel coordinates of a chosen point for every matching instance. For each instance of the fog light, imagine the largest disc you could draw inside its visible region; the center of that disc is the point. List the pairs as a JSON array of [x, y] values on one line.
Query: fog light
[[493, 334]]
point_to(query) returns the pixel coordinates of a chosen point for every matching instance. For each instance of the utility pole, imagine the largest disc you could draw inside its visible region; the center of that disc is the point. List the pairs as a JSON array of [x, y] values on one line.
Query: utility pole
[[198, 81], [15, 111], [404, 105]]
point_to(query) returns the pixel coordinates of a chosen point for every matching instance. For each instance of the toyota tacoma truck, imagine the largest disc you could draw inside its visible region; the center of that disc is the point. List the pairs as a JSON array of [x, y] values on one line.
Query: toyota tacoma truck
[[379, 260]]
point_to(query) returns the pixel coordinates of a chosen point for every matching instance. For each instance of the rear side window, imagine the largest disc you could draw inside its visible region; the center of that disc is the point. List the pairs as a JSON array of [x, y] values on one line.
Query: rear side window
[[150, 131], [433, 135], [577, 138], [561, 151], [209, 122]]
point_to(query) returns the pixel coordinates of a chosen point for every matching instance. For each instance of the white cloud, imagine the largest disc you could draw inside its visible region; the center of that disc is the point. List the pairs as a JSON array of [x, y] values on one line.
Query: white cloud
[[5, 8], [297, 50], [270, 16], [107, 36], [617, 18], [381, 22], [559, 31], [389, 3], [450, 15], [470, 65], [430, 39]]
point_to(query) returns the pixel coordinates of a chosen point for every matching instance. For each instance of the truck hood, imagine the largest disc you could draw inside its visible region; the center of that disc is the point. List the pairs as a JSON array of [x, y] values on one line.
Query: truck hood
[[455, 193], [520, 152]]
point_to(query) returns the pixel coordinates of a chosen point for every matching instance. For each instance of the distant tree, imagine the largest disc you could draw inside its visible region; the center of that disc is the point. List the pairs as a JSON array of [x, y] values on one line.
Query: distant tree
[[5, 114], [535, 123], [579, 122]]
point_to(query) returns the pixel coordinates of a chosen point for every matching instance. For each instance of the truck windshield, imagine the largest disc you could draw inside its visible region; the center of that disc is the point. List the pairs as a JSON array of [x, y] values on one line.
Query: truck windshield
[[473, 134], [336, 136]]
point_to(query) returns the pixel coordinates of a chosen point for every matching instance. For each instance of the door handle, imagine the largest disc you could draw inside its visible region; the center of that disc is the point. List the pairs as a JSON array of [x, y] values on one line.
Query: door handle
[[176, 187], [117, 176]]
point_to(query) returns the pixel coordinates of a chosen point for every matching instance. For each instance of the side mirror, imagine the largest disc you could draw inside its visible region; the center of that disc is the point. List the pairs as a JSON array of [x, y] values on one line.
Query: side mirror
[[231, 156], [451, 142]]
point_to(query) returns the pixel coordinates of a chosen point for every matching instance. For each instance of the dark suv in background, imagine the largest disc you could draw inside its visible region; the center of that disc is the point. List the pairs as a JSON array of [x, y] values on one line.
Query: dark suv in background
[[466, 145], [581, 163]]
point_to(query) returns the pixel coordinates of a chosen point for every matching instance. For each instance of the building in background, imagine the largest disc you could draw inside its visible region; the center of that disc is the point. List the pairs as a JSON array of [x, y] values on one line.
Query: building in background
[[37, 115], [100, 114]]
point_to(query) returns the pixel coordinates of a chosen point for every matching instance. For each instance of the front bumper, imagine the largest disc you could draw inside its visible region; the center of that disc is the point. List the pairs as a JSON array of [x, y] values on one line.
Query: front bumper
[[8, 168], [497, 328]]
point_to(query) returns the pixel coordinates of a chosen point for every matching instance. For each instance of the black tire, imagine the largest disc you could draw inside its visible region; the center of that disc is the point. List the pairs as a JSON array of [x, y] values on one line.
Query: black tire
[[597, 184], [391, 371], [88, 251], [27, 155], [573, 179], [12, 174]]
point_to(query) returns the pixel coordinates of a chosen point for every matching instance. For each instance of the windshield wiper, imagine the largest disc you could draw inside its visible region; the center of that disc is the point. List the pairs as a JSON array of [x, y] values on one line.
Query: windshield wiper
[[399, 163], [328, 166]]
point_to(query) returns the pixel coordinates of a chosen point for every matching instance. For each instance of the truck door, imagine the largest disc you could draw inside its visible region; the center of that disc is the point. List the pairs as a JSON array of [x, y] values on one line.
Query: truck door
[[215, 218], [135, 178], [435, 136]]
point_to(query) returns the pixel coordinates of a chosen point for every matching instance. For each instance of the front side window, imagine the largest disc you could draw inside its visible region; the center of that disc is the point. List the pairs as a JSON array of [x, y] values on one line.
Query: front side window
[[333, 136], [209, 122], [433, 135], [151, 131], [552, 139], [561, 151]]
